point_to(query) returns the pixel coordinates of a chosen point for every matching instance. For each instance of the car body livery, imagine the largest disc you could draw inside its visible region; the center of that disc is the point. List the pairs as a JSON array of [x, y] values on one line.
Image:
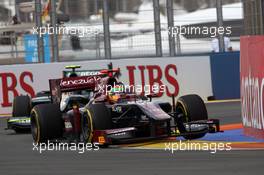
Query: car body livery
[[116, 117]]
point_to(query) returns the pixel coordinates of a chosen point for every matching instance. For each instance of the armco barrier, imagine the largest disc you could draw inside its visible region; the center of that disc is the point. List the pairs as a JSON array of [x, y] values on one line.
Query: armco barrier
[[252, 85], [180, 75], [225, 75]]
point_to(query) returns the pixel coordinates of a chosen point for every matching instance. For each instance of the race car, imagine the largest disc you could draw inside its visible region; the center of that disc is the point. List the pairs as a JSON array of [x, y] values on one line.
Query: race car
[[114, 117], [23, 104]]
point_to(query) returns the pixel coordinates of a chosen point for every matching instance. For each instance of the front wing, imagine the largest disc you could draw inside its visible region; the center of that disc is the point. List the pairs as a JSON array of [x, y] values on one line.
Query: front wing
[[19, 124], [127, 135]]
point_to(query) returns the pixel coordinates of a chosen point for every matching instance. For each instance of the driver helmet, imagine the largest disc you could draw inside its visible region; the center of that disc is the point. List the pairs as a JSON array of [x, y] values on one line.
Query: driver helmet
[[116, 93]]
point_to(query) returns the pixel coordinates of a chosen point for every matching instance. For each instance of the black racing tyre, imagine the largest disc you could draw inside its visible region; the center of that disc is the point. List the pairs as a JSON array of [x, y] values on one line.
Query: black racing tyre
[[191, 108], [21, 106], [46, 122], [87, 127], [100, 115]]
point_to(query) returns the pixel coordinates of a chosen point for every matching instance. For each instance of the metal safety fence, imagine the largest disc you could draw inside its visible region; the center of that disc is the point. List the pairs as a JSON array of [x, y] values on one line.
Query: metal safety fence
[[109, 29]]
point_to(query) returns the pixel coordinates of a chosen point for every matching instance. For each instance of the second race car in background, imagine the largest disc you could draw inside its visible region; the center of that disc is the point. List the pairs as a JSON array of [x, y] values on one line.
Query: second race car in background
[[22, 105]]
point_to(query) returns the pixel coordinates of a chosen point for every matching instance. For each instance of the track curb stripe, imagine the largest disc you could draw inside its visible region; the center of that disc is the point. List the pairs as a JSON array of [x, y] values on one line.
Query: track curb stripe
[[231, 126]]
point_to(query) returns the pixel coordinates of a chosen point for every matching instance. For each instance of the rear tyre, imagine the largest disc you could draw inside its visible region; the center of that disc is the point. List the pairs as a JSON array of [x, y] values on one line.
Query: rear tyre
[[190, 108], [101, 116], [46, 122], [101, 119], [87, 127], [21, 106]]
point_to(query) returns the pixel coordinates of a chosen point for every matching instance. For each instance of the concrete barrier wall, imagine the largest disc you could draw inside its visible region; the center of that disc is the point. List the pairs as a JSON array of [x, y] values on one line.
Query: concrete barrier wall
[[252, 85], [180, 75]]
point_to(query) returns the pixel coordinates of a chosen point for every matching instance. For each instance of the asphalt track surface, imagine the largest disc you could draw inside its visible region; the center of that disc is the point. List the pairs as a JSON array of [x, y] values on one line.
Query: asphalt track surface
[[17, 156]]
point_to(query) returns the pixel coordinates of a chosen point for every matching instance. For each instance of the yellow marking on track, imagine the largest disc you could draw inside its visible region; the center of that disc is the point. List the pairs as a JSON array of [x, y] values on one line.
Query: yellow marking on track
[[224, 101], [161, 143], [5, 115], [195, 143], [142, 144]]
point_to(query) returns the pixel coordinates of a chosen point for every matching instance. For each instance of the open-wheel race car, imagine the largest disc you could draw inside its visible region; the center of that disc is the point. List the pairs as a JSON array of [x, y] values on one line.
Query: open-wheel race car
[[115, 114], [23, 104]]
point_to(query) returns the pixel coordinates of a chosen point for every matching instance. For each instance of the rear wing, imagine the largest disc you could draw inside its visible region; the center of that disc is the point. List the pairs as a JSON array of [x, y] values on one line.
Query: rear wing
[[58, 86], [69, 84]]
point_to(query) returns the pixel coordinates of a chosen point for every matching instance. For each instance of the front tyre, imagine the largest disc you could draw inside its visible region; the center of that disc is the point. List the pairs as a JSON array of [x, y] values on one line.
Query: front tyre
[[191, 108]]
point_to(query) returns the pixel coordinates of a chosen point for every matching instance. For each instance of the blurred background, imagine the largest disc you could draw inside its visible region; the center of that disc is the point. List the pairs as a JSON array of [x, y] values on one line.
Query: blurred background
[[137, 28]]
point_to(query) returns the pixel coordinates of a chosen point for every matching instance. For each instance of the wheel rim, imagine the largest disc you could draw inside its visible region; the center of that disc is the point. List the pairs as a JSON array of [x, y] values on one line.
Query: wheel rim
[[87, 128], [181, 110]]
